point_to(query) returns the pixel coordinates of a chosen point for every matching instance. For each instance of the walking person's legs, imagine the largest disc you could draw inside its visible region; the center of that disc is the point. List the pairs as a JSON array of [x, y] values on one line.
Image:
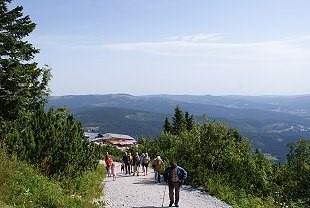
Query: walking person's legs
[[174, 194], [126, 168], [113, 174], [177, 195], [143, 167], [134, 169], [146, 169]]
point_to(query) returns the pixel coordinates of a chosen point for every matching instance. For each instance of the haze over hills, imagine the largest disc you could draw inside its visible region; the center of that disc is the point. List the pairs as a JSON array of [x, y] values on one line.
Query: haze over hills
[[269, 121]]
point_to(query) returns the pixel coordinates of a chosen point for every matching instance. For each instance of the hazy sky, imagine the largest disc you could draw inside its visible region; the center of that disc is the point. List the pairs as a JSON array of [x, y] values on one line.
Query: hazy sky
[[218, 47]]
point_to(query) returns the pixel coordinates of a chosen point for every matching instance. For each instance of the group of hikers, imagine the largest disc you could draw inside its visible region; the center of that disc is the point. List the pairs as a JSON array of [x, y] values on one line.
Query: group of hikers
[[174, 175], [131, 164]]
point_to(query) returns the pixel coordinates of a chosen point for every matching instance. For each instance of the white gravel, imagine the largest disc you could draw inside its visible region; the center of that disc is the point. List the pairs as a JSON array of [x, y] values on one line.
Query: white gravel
[[142, 192]]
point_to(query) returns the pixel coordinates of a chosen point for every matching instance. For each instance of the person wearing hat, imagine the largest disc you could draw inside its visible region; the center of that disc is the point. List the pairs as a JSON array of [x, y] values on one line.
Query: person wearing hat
[[157, 164], [174, 176]]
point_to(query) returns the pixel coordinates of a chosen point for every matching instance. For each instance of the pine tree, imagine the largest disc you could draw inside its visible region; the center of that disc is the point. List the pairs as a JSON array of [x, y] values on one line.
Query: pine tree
[[189, 121], [23, 86], [167, 126], [51, 140], [178, 121]]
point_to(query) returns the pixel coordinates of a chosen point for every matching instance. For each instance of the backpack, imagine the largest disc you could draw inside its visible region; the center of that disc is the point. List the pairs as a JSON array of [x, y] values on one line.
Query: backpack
[[146, 159]]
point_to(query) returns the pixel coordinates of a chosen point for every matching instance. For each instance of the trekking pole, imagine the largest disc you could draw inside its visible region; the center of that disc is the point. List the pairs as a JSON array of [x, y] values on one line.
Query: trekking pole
[[162, 205]]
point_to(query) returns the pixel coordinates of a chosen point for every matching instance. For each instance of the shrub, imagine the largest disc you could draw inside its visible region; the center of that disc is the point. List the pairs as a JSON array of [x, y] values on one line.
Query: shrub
[[21, 186]]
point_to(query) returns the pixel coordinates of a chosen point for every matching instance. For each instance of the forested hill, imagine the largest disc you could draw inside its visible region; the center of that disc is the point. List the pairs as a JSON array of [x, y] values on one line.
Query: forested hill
[[120, 120], [270, 122], [294, 105]]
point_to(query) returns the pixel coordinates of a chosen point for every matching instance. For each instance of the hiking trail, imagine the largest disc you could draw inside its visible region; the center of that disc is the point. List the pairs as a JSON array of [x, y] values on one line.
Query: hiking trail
[[142, 192]]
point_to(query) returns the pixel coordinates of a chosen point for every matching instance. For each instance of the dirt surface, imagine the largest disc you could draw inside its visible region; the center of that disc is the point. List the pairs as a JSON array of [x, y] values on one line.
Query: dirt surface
[[142, 192]]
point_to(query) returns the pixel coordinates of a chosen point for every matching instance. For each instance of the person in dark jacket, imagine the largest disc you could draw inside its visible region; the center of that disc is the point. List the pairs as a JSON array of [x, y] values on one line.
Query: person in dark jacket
[[174, 175], [136, 163], [126, 160]]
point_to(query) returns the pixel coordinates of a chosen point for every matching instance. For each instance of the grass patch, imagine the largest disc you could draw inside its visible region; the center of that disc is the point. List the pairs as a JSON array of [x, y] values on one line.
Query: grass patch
[[87, 186], [21, 186], [4, 205], [237, 198]]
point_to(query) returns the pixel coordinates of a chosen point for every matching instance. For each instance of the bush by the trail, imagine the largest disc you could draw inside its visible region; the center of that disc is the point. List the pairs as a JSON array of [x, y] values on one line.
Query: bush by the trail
[[22, 186], [218, 159], [53, 141]]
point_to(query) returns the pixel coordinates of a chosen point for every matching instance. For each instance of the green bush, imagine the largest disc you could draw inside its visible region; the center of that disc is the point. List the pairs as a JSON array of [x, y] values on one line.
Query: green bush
[[21, 186], [52, 140], [225, 164]]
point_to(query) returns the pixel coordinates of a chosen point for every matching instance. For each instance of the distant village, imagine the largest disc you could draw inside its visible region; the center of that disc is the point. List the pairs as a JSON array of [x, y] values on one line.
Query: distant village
[[120, 141]]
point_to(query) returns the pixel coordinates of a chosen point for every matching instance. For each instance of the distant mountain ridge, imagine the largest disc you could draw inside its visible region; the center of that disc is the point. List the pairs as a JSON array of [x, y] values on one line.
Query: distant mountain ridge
[[297, 105], [270, 121], [294, 105]]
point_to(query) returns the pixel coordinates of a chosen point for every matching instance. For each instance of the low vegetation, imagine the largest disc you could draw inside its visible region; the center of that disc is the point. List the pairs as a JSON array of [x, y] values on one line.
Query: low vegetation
[[21, 185], [224, 163]]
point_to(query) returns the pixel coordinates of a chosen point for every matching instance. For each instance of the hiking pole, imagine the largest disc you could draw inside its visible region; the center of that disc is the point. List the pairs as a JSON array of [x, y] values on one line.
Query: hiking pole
[[162, 205]]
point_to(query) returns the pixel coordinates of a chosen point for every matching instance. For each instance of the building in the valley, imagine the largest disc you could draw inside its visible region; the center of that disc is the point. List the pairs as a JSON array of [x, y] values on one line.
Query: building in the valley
[[119, 140]]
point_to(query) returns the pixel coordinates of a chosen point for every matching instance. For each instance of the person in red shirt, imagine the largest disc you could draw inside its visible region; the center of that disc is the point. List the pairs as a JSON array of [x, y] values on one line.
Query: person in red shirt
[[109, 162]]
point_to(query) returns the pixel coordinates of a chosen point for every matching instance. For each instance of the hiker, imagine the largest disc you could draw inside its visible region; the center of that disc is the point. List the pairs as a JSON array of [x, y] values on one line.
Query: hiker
[[136, 163], [130, 162], [145, 163], [126, 160], [106, 157], [141, 161], [157, 164], [109, 162], [174, 175]]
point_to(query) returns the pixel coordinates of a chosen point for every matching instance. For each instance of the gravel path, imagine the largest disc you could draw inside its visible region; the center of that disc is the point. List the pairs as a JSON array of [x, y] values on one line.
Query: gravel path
[[142, 192]]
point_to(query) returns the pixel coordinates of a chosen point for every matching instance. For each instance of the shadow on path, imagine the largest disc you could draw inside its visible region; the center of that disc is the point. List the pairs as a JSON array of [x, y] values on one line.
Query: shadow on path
[[149, 207], [145, 181]]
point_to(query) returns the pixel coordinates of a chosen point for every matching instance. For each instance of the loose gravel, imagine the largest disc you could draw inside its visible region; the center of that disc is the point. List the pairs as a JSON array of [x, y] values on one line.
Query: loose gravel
[[142, 192]]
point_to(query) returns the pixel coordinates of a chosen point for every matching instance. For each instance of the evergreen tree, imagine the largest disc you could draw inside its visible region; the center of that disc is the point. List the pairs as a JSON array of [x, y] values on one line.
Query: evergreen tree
[[52, 140], [167, 126], [178, 121], [23, 86], [189, 121]]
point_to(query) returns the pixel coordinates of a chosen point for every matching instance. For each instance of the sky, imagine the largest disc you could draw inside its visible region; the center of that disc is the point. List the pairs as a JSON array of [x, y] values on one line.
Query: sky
[[197, 47]]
